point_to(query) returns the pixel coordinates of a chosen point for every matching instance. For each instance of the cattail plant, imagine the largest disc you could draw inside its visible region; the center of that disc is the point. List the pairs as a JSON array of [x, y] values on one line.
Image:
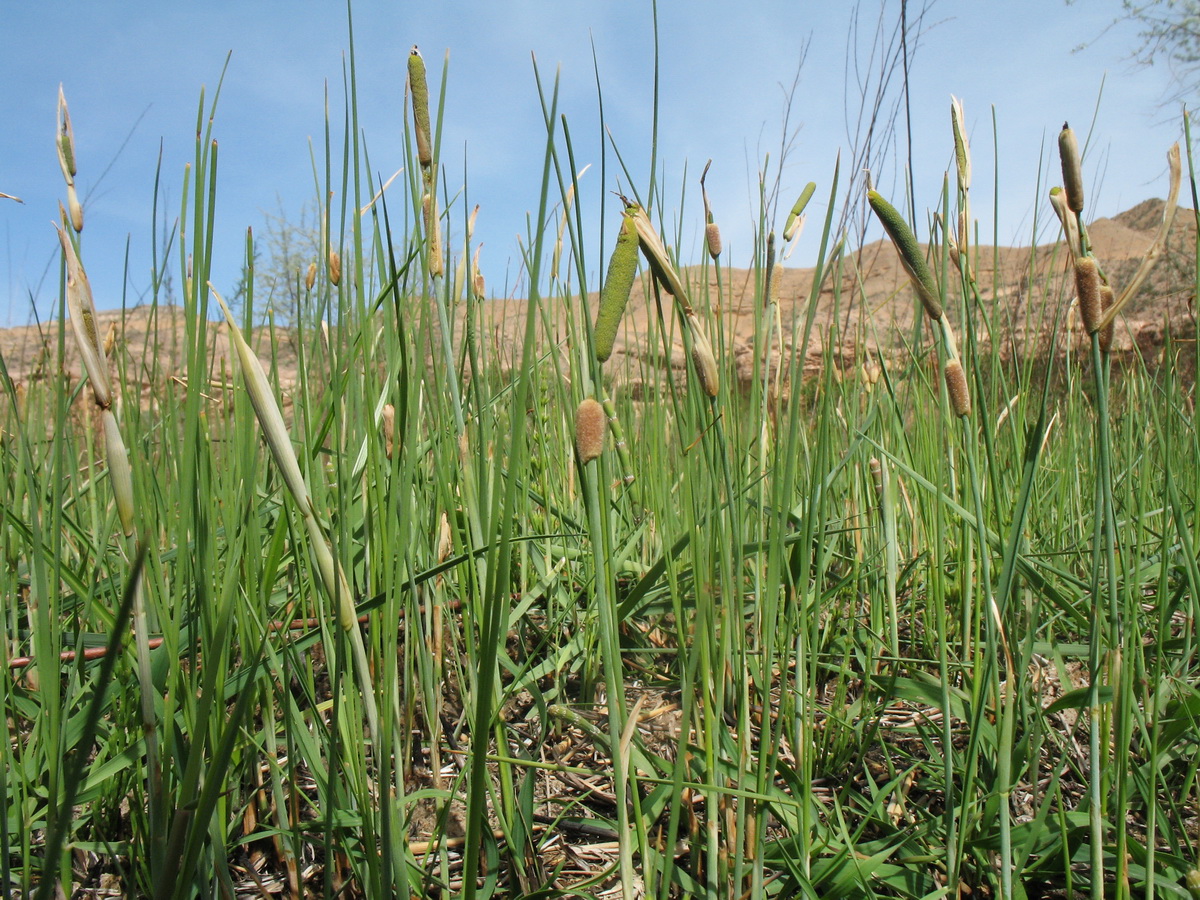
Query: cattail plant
[[590, 427], [275, 433]]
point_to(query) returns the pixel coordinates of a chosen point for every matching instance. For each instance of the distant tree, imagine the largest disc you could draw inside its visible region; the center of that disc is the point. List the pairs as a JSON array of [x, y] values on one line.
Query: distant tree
[[283, 253], [1169, 30]]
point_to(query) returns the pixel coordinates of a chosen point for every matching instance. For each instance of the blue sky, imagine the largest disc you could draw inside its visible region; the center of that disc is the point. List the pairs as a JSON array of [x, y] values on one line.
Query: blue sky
[[133, 72]]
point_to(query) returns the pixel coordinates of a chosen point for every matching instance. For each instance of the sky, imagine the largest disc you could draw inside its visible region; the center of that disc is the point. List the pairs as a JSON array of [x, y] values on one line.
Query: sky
[[133, 73]]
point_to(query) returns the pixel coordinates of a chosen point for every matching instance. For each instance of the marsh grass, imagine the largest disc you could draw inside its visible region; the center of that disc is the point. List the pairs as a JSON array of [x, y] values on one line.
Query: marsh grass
[[778, 638]]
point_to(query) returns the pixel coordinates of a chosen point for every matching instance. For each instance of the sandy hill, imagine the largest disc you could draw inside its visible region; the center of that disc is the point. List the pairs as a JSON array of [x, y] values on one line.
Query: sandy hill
[[864, 301]]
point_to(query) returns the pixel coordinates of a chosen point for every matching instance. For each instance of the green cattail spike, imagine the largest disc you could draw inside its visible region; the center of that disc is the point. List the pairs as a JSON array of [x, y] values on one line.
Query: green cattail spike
[[614, 295], [794, 219], [420, 103], [1072, 170], [910, 253]]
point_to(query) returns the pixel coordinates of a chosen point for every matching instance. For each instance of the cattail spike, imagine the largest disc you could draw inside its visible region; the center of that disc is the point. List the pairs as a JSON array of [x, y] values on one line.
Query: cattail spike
[[590, 428], [420, 103], [614, 295], [956, 388], [712, 238], [1087, 287], [910, 254], [1072, 169]]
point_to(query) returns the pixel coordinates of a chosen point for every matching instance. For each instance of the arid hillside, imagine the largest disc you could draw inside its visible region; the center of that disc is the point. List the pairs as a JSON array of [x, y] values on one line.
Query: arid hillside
[[864, 301]]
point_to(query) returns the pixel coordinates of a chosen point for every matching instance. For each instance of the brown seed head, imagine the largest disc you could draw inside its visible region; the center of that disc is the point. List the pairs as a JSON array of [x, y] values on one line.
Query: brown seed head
[[335, 267], [310, 277], [590, 427], [956, 387], [712, 236], [1087, 286]]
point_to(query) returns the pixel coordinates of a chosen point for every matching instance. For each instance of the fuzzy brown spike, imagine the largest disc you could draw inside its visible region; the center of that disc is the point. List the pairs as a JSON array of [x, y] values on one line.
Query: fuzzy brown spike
[[591, 425], [1087, 286], [956, 387]]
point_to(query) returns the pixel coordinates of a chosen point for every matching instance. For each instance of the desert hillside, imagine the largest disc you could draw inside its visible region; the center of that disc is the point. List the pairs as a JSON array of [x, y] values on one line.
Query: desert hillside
[[866, 300]]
